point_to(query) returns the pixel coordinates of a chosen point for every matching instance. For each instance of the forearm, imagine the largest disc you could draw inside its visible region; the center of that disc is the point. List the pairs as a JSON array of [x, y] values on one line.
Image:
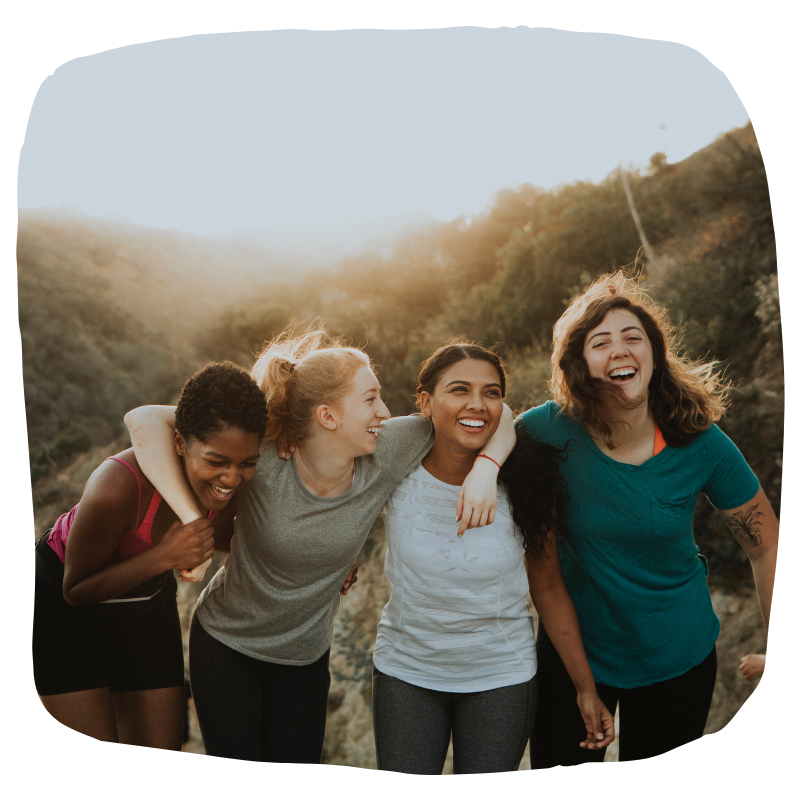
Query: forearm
[[114, 580], [502, 443], [152, 436], [764, 577], [558, 616]]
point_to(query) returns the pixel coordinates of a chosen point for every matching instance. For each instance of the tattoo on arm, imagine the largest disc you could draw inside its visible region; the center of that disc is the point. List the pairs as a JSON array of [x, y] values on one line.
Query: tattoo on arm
[[745, 525]]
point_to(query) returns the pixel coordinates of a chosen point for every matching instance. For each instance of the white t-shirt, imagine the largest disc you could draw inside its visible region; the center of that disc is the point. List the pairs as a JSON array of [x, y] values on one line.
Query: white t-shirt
[[457, 619]]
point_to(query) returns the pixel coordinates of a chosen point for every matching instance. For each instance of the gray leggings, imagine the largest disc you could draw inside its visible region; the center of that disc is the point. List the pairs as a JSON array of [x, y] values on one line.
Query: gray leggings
[[413, 725]]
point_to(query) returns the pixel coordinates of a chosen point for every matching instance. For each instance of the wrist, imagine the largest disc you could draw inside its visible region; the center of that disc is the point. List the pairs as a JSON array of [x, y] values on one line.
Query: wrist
[[487, 458]]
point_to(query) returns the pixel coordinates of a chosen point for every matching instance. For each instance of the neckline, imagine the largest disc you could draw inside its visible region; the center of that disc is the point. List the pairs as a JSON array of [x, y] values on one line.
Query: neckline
[[620, 464], [318, 498]]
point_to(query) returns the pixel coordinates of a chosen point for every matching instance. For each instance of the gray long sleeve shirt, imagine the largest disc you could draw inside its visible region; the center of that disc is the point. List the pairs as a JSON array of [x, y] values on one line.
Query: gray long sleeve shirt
[[276, 597]]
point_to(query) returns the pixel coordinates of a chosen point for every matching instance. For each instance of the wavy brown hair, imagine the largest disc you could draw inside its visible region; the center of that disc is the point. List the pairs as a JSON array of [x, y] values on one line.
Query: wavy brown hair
[[685, 396]]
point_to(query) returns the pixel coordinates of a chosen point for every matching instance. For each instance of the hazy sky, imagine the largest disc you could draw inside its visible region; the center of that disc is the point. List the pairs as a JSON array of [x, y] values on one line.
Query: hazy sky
[[217, 132]]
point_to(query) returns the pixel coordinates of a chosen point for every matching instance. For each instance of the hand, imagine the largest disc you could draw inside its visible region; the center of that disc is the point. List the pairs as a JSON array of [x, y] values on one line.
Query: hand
[[477, 499], [351, 578], [194, 575], [752, 666], [287, 453], [598, 719], [187, 546]]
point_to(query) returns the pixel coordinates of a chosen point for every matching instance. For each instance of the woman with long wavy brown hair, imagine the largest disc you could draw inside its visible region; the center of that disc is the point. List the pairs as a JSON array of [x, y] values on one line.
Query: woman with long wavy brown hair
[[638, 423]]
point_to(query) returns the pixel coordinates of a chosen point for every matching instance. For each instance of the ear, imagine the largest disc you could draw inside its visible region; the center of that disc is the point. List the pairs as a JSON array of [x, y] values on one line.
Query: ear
[[425, 402], [327, 417], [180, 443]]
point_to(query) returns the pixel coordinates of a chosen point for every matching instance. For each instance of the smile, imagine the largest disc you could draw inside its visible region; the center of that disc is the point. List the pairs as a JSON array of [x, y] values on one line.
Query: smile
[[471, 423], [219, 492], [374, 430], [622, 374]]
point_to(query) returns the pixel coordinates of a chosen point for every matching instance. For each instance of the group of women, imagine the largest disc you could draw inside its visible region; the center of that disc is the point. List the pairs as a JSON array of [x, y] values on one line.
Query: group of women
[[586, 503]]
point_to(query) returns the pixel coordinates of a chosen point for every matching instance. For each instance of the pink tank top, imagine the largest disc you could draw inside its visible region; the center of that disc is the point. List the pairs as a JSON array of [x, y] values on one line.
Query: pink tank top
[[132, 542]]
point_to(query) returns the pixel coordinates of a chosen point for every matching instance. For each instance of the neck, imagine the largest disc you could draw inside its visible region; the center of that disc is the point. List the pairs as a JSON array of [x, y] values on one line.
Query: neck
[[324, 472], [448, 464], [633, 426]]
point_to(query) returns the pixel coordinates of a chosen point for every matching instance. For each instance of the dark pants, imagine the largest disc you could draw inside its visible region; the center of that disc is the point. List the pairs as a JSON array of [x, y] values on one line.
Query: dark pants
[[255, 710], [413, 726], [653, 719]]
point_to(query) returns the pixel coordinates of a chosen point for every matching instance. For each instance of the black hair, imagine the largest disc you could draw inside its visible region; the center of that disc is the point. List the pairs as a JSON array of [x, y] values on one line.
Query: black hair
[[444, 357], [531, 477], [220, 395]]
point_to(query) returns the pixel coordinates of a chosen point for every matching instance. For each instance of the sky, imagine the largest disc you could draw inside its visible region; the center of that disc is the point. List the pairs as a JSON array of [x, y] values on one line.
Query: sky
[[213, 133]]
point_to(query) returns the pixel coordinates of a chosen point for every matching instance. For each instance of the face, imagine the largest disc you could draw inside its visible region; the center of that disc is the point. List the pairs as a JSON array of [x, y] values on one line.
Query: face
[[359, 415], [218, 468], [466, 404], [618, 351]]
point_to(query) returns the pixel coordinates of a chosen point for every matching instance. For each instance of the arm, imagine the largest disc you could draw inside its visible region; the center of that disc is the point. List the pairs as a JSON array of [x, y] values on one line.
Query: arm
[[152, 430], [477, 499], [107, 509], [557, 613], [756, 528]]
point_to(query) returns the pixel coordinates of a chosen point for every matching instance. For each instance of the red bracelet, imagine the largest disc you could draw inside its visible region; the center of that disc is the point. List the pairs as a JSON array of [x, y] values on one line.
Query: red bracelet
[[483, 455]]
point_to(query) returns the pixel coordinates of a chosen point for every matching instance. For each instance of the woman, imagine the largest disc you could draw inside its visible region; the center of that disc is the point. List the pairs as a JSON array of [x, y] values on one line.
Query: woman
[[455, 652], [638, 420], [261, 635], [107, 652]]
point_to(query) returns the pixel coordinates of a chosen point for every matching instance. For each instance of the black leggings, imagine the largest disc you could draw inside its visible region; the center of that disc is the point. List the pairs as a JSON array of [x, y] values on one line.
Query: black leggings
[[653, 719], [413, 725], [255, 710]]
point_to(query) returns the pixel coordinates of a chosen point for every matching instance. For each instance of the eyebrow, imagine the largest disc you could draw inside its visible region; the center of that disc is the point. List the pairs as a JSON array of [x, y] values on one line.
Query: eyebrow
[[608, 333], [215, 454], [468, 383]]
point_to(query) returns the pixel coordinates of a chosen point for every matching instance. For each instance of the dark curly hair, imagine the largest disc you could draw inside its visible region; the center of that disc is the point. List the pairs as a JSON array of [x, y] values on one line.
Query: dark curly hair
[[532, 480], [220, 395]]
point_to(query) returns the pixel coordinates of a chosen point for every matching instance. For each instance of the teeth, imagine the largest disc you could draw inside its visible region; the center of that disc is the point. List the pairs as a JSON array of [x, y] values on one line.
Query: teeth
[[373, 430], [622, 373], [472, 423], [223, 491]]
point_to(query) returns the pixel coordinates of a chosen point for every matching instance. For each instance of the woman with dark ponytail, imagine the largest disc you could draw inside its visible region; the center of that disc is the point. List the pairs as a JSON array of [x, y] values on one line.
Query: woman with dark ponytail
[[455, 653]]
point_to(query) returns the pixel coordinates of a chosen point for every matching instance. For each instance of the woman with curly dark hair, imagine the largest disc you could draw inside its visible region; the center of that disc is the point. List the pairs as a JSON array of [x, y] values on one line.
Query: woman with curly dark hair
[[638, 423], [107, 652], [455, 653]]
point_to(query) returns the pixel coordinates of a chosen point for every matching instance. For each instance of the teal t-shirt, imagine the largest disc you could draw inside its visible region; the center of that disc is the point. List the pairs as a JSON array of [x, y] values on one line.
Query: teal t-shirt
[[629, 556]]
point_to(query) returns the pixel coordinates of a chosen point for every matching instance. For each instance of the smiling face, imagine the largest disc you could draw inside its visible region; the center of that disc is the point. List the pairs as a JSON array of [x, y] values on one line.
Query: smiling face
[[218, 468], [619, 351], [466, 404], [359, 415]]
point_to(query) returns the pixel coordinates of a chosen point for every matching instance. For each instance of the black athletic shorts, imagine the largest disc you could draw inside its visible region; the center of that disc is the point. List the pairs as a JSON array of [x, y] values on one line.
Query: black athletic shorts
[[128, 647]]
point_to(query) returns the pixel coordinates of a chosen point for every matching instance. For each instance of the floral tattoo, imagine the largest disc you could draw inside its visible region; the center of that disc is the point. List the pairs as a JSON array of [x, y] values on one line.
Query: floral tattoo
[[745, 524]]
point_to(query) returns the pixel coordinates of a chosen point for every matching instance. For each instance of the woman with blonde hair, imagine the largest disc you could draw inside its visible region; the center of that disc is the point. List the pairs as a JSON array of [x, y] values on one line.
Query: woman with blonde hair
[[638, 423], [261, 635]]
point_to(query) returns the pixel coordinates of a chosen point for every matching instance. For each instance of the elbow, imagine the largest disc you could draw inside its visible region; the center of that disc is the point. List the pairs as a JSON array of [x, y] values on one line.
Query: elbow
[[74, 598]]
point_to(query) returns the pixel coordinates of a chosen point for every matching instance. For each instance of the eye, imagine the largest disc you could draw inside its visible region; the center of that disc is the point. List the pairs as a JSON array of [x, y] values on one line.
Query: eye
[[215, 463]]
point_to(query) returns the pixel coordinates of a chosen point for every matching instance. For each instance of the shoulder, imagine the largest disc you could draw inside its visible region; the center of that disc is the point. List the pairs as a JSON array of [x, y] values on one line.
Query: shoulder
[[547, 423], [114, 486], [414, 431]]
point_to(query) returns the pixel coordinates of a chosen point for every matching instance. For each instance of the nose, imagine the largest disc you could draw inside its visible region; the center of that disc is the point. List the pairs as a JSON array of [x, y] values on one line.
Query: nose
[[231, 477], [382, 410], [619, 349], [476, 400]]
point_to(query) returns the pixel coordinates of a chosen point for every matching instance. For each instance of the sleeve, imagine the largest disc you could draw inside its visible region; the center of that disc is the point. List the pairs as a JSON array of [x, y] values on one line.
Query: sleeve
[[537, 422], [402, 443], [731, 482]]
